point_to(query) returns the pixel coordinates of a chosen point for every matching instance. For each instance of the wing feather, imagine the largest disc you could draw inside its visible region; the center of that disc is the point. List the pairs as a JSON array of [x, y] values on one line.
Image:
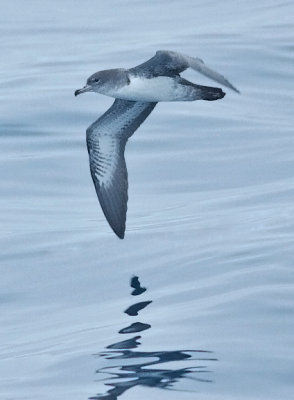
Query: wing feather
[[171, 63], [106, 141]]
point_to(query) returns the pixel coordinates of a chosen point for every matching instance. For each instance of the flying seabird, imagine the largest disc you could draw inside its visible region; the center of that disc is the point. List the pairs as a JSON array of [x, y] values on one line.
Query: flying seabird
[[136, 91]]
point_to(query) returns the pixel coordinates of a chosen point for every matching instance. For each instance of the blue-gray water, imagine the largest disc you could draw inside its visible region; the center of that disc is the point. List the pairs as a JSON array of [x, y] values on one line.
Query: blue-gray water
[[210, 228]]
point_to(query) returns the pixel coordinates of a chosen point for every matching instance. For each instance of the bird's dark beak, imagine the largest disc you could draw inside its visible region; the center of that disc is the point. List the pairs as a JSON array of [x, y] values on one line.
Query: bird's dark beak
[[86, 88]]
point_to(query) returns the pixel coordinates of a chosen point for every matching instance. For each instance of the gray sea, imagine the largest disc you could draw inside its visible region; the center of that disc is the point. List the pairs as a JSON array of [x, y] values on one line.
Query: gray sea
[[209, 246]]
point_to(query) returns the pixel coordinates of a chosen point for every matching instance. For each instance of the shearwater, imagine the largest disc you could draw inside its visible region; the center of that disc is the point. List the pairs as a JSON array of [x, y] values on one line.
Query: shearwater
[[136, 91]]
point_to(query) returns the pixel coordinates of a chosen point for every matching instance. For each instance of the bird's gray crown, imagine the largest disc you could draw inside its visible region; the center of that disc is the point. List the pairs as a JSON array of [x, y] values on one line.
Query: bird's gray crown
[[114, 77]]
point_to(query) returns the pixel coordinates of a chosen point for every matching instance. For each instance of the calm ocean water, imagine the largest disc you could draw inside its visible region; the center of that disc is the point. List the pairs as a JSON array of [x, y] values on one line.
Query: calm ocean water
[[210, 228]]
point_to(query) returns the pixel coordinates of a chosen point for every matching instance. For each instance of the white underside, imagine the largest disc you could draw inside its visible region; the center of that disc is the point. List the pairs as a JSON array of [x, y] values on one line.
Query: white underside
[[152, 90]]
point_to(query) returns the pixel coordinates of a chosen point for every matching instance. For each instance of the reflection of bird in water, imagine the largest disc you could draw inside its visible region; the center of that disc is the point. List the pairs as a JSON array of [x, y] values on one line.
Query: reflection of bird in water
[[136, 91], [142, 375], [135, 284], [127, 373]]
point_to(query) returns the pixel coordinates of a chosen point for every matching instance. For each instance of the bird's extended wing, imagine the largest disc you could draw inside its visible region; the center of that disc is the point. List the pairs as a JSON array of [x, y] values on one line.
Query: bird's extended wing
[[171, 63], [106, 140]]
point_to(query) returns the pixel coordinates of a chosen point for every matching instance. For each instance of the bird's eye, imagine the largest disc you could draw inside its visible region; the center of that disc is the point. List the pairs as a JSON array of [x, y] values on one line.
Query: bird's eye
[[96, 80]]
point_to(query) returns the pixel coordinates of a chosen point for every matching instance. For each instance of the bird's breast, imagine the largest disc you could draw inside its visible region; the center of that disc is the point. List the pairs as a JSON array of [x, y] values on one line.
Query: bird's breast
[[161, 88]]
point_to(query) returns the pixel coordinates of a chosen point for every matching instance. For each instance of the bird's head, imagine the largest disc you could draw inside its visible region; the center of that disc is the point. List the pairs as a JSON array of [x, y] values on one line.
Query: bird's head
[[102, 81], [94, 83]]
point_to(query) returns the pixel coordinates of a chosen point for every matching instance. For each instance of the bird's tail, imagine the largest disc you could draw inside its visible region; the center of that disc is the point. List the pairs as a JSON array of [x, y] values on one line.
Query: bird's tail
[[199, 92], [210, 93]]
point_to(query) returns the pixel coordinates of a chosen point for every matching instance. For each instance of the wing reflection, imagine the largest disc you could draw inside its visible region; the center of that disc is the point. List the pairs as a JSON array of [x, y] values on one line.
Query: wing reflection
[[132, 368]]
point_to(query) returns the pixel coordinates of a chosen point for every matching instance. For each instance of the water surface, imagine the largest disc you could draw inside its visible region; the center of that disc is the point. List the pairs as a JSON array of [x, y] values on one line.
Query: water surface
[[210, 218]]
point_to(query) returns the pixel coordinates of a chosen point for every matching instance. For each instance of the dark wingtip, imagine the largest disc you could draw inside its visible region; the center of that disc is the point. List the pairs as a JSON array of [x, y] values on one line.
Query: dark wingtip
[[235, 89], [120, 235]]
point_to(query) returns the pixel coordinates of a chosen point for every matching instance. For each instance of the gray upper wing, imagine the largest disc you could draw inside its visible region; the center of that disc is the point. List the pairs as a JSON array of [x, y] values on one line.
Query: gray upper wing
[[171, 63], [106, 140], [167, 63]]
